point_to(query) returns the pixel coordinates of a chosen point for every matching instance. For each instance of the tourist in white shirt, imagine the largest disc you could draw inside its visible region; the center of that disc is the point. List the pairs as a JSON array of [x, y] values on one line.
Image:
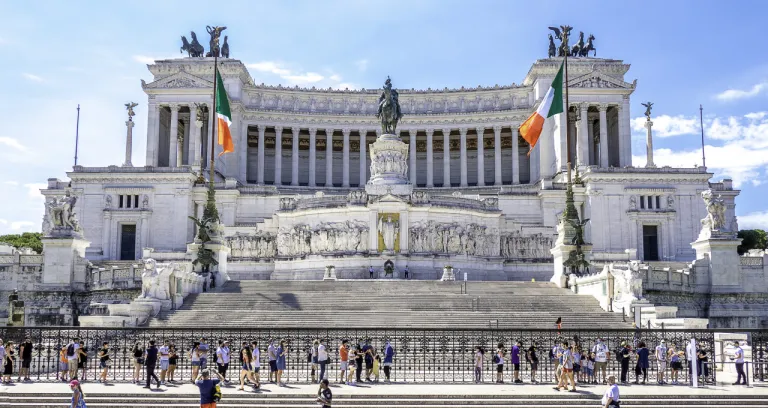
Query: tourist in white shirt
[[661, 361], [222, 359], [164, 351], [611, 397], [272, 354], [738, 358], [601, 357], [322, 359], [256, 363]]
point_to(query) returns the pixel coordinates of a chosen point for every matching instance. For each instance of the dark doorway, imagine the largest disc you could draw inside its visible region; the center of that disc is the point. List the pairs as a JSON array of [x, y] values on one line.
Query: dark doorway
[[128, 242], [650, 243]]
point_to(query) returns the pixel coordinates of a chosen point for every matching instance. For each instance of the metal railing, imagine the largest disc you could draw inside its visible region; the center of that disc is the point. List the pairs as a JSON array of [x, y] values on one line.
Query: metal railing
[[431, 356]]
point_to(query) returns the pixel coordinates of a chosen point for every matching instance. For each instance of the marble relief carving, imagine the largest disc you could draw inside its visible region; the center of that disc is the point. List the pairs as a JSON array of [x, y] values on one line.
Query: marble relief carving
[[258, 245], [324, 238], [453, 238], [518, 246]]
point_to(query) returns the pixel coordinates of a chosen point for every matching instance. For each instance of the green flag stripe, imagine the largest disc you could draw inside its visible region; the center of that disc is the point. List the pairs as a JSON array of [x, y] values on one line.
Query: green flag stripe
[[557, 100], [222, 101]]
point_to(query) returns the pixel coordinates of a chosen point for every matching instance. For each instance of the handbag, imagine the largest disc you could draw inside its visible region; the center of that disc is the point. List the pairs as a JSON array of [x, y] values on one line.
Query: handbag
[[140, 360]]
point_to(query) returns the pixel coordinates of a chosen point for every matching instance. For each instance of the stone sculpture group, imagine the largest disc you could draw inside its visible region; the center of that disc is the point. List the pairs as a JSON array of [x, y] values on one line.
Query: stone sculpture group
[[529, 247], [580, 49], [323, 238], [60, 214], [714, 222], [195, 49], [258, 245], [388, 230], [454, 238]]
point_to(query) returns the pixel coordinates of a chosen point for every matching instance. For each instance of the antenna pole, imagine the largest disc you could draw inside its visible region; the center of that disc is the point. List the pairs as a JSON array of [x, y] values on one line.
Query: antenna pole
[[701, 122], [215, 118], [77, 132]]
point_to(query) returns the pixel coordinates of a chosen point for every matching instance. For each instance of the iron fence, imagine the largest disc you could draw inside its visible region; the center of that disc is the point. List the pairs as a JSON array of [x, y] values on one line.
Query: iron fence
[[431, 356]]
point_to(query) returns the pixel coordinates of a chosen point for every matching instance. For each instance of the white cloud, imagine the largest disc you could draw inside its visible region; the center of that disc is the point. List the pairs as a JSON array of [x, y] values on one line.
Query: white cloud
[[335, 77], [3, 222], [33, 190], [754, 220], [147, 59], [306, 78], [25, 226], [668, 126], [362, 65], [32, 77], [269, 66], [736, 94], [11, 142], [299, 77], [756, 115], [11, 183]]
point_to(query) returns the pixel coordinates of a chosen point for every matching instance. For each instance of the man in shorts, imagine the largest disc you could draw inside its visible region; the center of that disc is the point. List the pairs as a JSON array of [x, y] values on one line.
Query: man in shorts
[[344, 355], [661, 361], [73, 357], [272, 354], [256, 363], [601, 358], [164, 351], [515, 358], [26, 359]]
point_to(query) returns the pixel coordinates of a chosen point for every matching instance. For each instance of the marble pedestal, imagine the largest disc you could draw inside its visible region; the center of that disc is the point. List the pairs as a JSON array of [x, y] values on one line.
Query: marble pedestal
[[724, 263], [448, 274], [389, 167], [59, 262]]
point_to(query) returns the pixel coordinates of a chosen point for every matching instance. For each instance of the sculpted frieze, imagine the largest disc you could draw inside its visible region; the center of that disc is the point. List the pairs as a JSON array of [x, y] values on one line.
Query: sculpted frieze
[[324, 238], [516, 246], [454, 238], [254, 246]]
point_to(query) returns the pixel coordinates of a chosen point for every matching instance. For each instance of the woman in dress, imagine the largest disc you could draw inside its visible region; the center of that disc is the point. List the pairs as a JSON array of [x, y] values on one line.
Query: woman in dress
[[642, 362], [194, 357], [8, 363], [78, 399], [138, 361], [282, 351]]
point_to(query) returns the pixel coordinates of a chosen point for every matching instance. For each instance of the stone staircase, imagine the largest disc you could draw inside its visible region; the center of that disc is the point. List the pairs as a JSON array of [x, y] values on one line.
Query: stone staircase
[[584, 399], [389, 303]]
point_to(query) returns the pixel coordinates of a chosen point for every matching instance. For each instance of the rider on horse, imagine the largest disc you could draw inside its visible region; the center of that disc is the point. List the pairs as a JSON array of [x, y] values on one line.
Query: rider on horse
[[389, 108]]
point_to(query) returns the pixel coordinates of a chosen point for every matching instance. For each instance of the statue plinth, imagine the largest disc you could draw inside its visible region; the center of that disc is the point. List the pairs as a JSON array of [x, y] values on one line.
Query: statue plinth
[[389, 167]]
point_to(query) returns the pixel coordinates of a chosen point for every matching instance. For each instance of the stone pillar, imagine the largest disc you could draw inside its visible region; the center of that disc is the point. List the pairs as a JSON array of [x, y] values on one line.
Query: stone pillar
[[363, 157], [197, 148], [173, 137], [591, 141], [649, 144], [312, 156], [106, 236], [143, 231], [412, 153], [625, 135], [446, 157], [480, 157], [295, 156], [463, 157], [582, 143], [61, 259], [210, 142], [430, 159], [329, 158], [180, 145], [602, 108], [153, 133], [128, 143], [260, 150], [515, 155], [278, 155], [242, 151], [497, 155], [345, 158], [186, 139]]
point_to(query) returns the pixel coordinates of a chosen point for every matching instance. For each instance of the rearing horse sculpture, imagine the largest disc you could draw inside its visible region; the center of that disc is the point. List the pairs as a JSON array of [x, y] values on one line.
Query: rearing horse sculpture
[[389, 109]]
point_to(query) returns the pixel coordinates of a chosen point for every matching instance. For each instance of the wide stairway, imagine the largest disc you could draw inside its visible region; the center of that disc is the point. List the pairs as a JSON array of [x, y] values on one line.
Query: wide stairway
[[389, 304]]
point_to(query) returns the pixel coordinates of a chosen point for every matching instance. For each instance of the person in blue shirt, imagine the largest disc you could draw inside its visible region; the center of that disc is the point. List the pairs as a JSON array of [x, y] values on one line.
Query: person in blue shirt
[[368, 352], [207, 387], [150, 362], [282, 351], [642, 361], [389, 354]]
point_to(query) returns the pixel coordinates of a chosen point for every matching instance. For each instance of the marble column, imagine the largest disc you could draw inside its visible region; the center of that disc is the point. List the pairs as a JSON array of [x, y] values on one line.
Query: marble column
[[412, 153], [260, 150], [210, 142], [329, 158], [197, 150], [128, 143], [515, 155], [173, 151], [480, 157], [625, 143], [153, 133], [295, 155], [602, 108], [446, 157], [649, 145], [582, 141], [463, 157], [106, 237], [312, 156], [363, 157], [497, 155], [430, 159], [593, 153], [183, 138], [278, 155], [345, 157], [241, 150]]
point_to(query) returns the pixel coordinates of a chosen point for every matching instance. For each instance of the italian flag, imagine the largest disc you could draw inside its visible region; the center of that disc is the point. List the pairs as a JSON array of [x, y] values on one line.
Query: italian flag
[[224, 116], [551, 105]]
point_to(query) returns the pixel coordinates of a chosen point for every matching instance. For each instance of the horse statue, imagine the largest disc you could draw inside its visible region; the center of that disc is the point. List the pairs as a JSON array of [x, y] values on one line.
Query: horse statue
[[225, 48], [552, 47], [193, 49], [389, 109], [576, 50], [584, 52], [215, 32]]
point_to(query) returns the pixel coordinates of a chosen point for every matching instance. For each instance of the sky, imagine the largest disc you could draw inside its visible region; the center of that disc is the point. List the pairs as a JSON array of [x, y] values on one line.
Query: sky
[[94, 53]]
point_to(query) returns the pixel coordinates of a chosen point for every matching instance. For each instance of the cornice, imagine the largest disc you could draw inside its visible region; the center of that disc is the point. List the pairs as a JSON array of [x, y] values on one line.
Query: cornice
[[576, 66]]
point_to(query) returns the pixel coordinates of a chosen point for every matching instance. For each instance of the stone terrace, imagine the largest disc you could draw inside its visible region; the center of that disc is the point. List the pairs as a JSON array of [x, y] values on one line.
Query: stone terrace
[[388, 303]]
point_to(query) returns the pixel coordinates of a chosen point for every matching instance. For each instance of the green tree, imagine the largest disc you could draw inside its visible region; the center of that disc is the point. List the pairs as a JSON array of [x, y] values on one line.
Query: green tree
[[27, 239], [752, 239]]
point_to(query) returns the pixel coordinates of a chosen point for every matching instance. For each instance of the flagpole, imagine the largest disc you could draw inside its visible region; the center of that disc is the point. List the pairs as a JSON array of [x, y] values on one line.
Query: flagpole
[[215, 118], [77, 132], [566, 111], [701, 122]]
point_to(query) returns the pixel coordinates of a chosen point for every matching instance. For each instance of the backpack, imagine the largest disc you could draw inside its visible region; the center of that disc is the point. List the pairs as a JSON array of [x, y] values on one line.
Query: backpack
[[619, 354], [70, 350], [495, 359], [217, 393]]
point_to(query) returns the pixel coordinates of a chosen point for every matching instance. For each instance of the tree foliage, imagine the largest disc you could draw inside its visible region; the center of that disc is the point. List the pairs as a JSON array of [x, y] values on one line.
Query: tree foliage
[[27, 239], [752, 239]]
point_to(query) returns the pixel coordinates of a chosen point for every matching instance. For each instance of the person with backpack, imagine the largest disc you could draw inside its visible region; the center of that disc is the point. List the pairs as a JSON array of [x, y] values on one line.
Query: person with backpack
[[498, 359], [533, 360], [479, 352], [73, 357], [210, 391], [150, 362], [623, 356]]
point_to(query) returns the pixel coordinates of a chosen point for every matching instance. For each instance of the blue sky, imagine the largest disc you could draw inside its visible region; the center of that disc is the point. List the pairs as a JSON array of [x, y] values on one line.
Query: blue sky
[[683, 53]]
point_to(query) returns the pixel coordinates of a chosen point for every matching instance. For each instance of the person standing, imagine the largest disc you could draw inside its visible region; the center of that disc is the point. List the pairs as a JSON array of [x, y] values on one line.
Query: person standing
[[207, 387], [194, 358], [601, 358], [322, 359], [389, 355], [256, 363], [738, 358], [478, 364], [246, 369], [82, 362], [8, 362], [556, 355], [272, 355], [173, 360], [533, 360], [642, 361], [611, 398], [359, 356], [675, 363], [690, 357], [661, 362], [26, 359], [368, 357], [150, 362], [313, 360], [344, 364], [515, 357], [222, 359], [282, 352], [370, 272], [78, 399], [203, 350], [498, 359], [624, 359], [164, 351], [104, 362], [324, 394], [702, 364], [406, 271], [138, 361], [73, 357]]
